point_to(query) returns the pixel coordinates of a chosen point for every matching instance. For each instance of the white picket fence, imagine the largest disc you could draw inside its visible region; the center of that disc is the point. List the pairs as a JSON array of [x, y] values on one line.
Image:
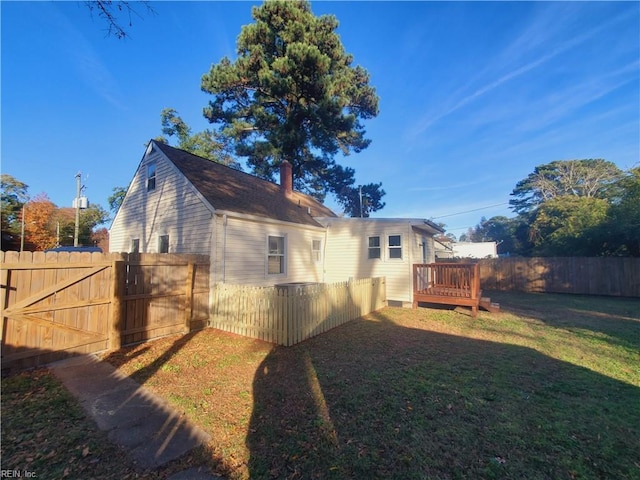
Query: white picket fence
[[289, 315]]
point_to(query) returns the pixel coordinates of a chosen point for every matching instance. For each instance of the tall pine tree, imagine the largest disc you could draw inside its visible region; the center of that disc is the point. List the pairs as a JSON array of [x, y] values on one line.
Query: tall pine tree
[[293, 94]]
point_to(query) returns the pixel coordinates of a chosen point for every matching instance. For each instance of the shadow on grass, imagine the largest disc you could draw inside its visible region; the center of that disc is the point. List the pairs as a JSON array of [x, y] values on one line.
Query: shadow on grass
[[126, 355], [373, 399]]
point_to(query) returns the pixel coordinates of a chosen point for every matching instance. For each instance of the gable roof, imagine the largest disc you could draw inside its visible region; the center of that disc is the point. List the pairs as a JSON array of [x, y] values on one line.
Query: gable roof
[[232, 190]]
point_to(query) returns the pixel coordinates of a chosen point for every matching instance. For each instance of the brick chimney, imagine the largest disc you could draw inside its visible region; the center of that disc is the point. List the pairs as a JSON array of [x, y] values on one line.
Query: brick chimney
[[286, 178]]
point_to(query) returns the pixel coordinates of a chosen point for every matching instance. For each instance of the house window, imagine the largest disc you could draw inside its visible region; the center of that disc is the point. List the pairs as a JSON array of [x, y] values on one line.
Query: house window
[[163, 244], [135, 245], [275, 256], [151, 177], [374, 247], [395, 246], [316, 250]]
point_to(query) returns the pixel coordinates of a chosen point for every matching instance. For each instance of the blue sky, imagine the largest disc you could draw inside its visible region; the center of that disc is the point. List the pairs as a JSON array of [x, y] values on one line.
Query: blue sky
[[473, 95]]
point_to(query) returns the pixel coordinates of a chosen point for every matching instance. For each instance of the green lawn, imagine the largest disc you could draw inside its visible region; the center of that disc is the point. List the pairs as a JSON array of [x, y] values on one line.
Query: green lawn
[[547, 389]]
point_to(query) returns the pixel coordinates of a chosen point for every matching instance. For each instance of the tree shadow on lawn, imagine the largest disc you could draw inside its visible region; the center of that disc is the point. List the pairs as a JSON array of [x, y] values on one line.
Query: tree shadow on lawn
[[616, 317], [142, 374], [374, 399]]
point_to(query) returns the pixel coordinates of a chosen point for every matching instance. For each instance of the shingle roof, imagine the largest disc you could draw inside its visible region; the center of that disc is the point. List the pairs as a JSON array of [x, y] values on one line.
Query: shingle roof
[[228, 189]]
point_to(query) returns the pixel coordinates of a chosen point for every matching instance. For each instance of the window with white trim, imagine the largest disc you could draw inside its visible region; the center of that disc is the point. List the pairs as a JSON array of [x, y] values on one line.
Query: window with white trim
[[316, 251], [135, 245], [163, 244], [395, 246], [275, 255], [374, 248], [151, 177]]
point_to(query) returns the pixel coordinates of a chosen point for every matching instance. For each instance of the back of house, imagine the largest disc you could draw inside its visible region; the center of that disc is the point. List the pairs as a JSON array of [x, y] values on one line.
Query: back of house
[[256, 232]]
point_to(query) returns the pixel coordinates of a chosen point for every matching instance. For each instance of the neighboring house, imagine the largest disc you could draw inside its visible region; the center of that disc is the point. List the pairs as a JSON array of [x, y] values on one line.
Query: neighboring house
[[466, 250], [257, 232]]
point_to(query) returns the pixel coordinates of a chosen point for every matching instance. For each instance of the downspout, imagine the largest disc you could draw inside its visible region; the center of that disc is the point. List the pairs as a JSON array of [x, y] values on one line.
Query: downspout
[[410, 241], [324, 253], [224, 248]]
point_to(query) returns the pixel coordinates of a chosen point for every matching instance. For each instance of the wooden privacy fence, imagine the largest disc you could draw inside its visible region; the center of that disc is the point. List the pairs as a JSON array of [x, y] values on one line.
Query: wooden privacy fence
[[164, 294], [614, 276], [56, 304], [290, 314]]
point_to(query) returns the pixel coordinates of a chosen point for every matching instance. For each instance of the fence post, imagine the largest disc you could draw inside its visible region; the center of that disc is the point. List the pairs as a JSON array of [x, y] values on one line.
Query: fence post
[[118, 280], [188, 304]]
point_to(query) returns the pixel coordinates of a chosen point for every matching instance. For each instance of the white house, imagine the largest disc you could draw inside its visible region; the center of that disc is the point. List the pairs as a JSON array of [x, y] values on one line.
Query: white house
[[467, 250], [375, 247], [257, 232]]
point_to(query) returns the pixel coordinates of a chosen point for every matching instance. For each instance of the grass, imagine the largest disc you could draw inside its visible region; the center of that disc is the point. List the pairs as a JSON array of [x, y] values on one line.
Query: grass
[[550, 388]]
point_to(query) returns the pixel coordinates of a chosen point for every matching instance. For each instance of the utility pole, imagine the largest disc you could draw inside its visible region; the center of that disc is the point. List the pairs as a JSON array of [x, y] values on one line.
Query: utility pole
[[22, 231], [78, 190], [360, 193]]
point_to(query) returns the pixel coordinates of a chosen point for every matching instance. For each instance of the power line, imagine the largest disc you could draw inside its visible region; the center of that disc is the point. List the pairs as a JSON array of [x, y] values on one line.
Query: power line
[[470, 211]]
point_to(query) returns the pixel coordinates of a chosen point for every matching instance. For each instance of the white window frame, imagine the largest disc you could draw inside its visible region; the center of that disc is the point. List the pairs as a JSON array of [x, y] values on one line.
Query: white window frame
[[132, 246], [371, 248], [152, 170], [282, 255], [316, 253], [160, 237], [395, 247]]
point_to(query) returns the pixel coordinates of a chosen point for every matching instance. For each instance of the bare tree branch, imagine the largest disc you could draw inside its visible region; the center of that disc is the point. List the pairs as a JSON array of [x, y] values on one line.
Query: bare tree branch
[[113, 11]]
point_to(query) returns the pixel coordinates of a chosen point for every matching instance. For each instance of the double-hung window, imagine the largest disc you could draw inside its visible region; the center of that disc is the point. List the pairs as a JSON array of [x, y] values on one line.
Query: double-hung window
[[163, 244], [316, 251], [275, 255], [151, 177], [395, 246], [374, 248]]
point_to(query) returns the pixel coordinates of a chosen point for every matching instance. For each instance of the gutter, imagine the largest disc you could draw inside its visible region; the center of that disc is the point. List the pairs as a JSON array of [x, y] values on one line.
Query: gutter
[[256, 218]]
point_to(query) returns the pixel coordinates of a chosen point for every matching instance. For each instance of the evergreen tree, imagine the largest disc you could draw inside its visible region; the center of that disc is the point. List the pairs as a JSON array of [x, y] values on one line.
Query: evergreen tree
[[293, 94], [205, 144], [13, 196]]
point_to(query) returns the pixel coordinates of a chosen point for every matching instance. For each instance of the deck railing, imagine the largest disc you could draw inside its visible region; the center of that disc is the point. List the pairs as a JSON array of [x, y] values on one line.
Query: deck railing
[[447, 283]]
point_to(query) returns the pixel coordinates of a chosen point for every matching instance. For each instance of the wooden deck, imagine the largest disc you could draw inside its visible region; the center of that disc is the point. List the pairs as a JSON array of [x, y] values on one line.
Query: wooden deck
[[450, 284]]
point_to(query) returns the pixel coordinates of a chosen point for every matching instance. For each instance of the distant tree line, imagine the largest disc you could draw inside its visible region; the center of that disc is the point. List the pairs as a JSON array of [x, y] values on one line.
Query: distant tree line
[[569, 208], [45, 224]]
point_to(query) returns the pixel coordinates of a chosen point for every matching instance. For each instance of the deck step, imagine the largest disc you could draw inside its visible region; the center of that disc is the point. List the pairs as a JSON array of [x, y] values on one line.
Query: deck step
[[488, 305]]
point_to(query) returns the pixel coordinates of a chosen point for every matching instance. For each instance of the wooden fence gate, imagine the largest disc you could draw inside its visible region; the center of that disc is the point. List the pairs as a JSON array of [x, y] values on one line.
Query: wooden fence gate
[[58, 304]]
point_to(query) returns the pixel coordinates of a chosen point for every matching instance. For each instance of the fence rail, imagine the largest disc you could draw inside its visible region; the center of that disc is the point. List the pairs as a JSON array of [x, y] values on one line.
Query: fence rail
[[613, 276], [289, 315]]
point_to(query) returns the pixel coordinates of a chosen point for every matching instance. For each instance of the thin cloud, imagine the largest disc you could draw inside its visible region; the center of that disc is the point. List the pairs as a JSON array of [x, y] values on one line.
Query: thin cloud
[[88, 63], [446, 187], [534, 32]]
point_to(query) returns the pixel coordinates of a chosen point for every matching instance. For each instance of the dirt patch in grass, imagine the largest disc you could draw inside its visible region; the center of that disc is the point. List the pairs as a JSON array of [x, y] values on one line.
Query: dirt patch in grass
[[547, 392]]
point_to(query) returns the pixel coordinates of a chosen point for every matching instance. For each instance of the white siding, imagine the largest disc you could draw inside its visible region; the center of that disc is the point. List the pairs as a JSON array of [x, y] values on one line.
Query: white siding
[[237, 244], [174, 208], [241, 252], [347, 254]]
